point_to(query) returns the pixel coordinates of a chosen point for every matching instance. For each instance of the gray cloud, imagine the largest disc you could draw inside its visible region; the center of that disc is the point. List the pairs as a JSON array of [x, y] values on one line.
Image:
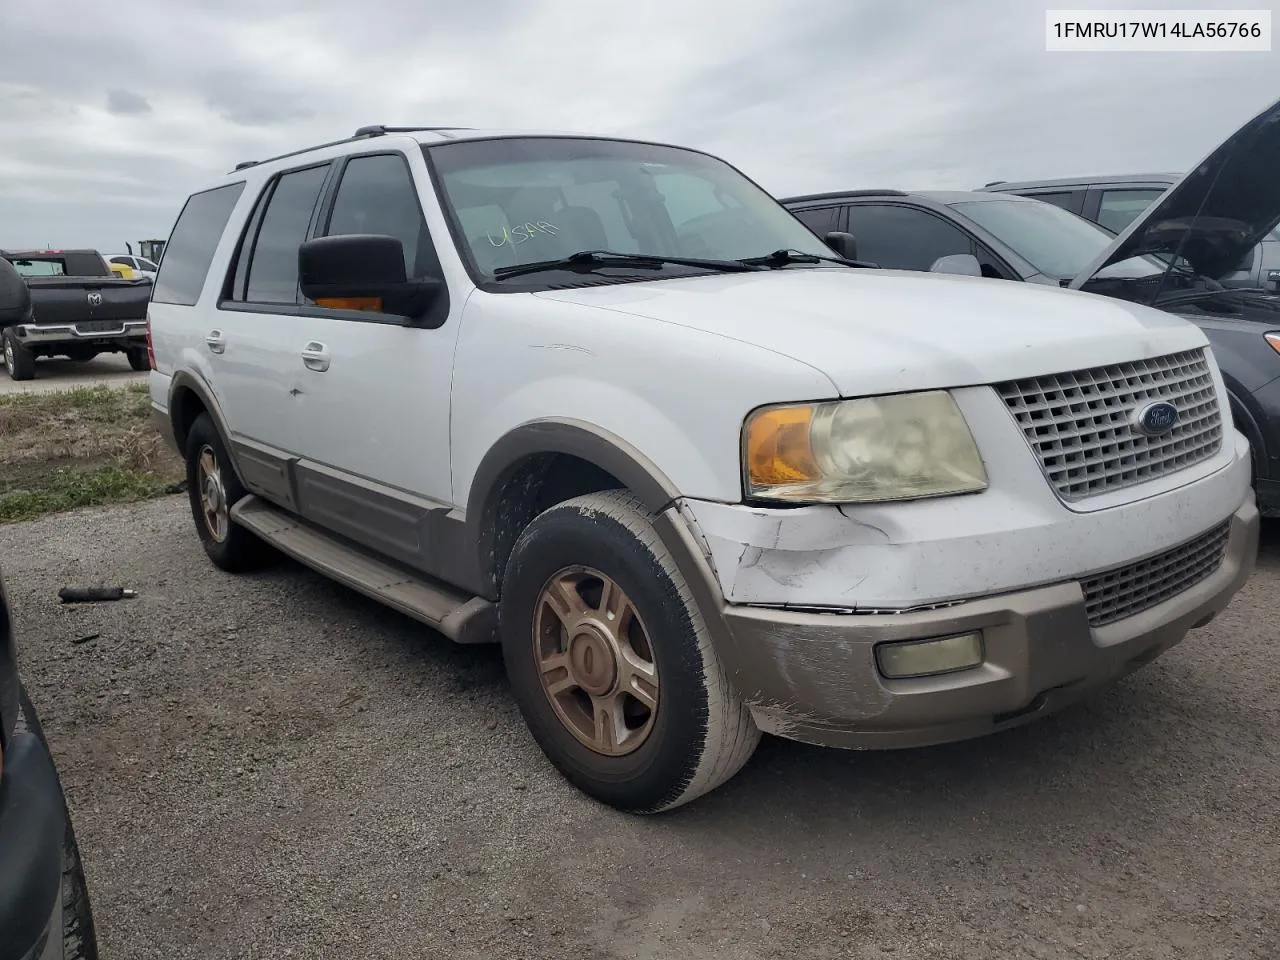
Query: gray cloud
[[125, 102], [800, 97]]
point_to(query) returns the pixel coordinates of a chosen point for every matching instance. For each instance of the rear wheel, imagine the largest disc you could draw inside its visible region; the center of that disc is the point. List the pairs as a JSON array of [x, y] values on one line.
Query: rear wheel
[[611, 663], [213, 489], [18, 360], [138, 358]]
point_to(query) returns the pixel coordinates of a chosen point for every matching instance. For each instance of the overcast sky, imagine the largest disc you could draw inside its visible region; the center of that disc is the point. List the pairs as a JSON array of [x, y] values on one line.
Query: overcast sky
[[110, 115]]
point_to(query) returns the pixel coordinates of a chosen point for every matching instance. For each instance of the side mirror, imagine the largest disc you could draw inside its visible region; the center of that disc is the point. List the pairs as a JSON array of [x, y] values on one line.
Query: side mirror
[[965, 264], [360, 271], [843, 244]]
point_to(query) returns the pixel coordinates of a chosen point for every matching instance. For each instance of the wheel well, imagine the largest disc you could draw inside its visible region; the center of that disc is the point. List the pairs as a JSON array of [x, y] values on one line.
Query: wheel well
[[185, 407], [534, 484]]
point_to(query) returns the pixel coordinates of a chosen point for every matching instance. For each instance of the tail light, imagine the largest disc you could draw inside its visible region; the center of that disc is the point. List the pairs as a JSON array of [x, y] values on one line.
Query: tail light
[[151, 350]]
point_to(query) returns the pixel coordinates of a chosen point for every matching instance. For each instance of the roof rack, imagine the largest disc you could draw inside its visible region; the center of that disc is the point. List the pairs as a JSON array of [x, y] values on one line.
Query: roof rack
[[844, 194], [993, 183], [372, 130]]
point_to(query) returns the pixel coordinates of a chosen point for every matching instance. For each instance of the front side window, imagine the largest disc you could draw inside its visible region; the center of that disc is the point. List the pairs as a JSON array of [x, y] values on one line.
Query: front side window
[[147, 265], [903, 238], [273, 264], [376, 195], [533, 199], [821, 220]]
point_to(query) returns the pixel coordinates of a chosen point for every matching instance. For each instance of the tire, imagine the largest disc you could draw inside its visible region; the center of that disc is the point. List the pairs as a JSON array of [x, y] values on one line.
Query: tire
[[699, 734], [230, 547], [79, 936], [18, 360], [138, 359]]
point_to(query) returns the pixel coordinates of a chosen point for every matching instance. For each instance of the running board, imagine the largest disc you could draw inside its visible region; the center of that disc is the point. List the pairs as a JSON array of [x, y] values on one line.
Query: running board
[[459, 616]]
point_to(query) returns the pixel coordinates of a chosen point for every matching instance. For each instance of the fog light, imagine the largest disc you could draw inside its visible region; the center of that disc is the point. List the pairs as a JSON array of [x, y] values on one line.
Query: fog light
[[926, 658]]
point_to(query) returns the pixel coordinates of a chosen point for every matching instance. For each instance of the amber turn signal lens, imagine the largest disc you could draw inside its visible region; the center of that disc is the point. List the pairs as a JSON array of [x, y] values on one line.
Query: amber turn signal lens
[[351, 303], [1274, 340], [777, 447]]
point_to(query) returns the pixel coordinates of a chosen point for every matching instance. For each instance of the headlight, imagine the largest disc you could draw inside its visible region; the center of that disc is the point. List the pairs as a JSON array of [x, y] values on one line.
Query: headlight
[[897, 447]]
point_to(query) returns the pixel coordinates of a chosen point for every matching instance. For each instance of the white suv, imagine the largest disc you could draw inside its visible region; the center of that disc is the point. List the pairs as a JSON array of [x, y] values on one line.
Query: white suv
[[610, 403]]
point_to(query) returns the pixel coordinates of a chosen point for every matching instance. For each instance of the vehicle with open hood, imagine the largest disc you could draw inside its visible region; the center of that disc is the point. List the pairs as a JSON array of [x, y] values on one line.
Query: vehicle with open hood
[[701, 474], [1181, 255], [1114, 201]]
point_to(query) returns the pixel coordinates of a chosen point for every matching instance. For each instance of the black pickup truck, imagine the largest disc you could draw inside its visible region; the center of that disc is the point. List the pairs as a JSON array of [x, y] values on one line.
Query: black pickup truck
[[79, 309]]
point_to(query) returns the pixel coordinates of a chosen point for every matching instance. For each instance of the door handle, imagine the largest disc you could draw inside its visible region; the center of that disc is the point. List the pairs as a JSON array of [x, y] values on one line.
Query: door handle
[[217, 343], [315, 356]]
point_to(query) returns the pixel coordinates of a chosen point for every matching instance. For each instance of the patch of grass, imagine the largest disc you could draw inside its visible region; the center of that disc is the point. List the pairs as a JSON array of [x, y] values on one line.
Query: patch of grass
[[82, 447], [64, 489]]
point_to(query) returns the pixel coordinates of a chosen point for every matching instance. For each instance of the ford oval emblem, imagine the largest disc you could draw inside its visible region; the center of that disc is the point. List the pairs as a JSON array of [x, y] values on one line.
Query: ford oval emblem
[[1155, 419]]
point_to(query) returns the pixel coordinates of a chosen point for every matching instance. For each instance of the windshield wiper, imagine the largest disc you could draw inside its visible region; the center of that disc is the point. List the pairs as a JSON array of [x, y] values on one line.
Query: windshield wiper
[[591, 259], [781, 258]]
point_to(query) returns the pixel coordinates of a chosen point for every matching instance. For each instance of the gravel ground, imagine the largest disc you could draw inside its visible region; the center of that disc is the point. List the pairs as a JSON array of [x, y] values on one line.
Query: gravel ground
[[59, 374], [271, 766]]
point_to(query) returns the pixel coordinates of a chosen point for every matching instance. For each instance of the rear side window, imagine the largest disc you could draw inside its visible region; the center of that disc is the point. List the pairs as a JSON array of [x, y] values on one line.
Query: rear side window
[[376, 195], [191, 247], [273, 263]]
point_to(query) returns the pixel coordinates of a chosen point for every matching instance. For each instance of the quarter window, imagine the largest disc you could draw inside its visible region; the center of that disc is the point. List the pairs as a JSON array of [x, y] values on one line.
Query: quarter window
[[191, 246]]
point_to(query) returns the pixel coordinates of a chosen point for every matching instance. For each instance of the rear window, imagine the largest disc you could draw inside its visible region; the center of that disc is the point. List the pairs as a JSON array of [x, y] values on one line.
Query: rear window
[[40, 268], [190, 250], [60, 264]]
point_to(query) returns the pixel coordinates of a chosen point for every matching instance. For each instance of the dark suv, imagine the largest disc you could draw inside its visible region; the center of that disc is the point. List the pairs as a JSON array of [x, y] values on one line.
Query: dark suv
[[1114, 202], [44, 902]]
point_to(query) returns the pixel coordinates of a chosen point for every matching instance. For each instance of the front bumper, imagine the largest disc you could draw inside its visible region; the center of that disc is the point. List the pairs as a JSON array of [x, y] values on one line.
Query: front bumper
[[88, 332], [33, 828], [813, 676]]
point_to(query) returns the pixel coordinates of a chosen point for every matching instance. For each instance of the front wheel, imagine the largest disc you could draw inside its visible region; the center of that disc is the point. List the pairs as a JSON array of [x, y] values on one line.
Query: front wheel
[[611, 662]]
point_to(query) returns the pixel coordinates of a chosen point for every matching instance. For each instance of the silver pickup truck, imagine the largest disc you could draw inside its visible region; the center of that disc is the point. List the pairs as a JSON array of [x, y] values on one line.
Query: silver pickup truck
[[79, 309]]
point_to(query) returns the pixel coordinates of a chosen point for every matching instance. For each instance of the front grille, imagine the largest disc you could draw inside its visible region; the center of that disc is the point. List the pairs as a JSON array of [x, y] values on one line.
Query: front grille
[[1078, 423], [1121, 593]]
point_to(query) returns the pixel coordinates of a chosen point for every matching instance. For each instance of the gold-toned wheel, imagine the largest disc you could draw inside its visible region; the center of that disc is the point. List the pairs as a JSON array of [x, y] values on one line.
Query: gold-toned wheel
[[596, 661], [213, 495]]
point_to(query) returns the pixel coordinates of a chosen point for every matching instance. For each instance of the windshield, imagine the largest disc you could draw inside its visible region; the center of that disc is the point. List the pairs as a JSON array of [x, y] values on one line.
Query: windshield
[[533, 199], [1055, 241]]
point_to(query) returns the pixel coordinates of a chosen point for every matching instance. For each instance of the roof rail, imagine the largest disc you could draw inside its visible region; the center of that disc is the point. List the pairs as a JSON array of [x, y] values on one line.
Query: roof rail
[[993, 183], [373, 130], [381, 130], [843, 194]]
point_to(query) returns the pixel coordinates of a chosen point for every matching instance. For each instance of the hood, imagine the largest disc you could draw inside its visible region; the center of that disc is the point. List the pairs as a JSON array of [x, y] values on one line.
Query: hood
[[882, 331], [1210, 219]]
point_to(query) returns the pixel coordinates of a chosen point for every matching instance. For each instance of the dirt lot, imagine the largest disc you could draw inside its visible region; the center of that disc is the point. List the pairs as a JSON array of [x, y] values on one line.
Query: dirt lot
[[274, 767]]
